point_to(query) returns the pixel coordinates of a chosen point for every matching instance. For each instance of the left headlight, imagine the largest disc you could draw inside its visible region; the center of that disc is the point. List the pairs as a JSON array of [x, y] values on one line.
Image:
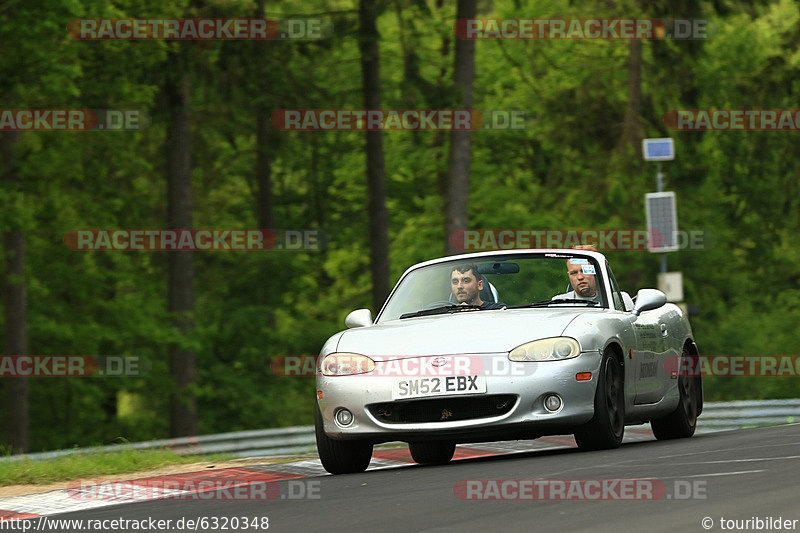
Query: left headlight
[[345, 364], [552, 349]]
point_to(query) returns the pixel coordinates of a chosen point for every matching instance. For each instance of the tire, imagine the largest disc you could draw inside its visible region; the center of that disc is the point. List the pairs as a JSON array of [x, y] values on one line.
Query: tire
[[682, 422], [432, 453], [607, 427], [340, 456]]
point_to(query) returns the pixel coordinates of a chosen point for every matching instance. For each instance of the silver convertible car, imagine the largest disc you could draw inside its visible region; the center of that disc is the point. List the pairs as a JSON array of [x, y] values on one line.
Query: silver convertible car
[[505, 345]]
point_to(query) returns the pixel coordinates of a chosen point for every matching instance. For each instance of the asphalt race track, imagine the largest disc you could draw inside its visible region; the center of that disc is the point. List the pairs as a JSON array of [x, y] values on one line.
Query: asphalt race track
[[734, 475]]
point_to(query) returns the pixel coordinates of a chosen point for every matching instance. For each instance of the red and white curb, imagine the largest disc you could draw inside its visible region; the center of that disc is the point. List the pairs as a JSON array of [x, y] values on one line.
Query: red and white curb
[[234, 483]]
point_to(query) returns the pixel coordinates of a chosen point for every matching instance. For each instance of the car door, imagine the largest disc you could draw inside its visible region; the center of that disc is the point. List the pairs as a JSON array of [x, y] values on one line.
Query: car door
[[648, 358]]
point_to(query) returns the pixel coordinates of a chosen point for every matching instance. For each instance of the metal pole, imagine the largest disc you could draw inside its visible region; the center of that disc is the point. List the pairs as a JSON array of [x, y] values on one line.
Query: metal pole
[[660, 188], [659, 179]]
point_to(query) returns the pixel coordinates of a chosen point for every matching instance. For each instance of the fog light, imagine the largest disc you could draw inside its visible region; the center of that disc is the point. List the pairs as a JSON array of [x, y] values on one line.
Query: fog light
[[552, 403], [344, 417]]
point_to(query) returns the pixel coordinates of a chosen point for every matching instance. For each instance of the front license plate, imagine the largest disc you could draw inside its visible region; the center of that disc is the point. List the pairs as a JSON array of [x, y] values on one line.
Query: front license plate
[[438, 386]]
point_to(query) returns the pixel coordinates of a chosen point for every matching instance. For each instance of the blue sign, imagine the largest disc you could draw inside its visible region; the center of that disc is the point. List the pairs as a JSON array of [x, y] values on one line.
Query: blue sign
[[658, 149]]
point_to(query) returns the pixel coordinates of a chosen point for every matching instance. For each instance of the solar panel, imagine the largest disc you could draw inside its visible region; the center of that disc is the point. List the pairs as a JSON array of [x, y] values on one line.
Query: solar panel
[[662, 221]]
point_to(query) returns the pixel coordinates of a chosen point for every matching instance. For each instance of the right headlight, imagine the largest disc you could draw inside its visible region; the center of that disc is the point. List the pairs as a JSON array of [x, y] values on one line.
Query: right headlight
[[345, 364], [552, 349]]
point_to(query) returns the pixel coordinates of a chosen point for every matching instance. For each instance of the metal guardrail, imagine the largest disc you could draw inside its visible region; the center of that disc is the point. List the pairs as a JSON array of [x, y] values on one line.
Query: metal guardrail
[[259, 442], [717, 416], [721, 416]]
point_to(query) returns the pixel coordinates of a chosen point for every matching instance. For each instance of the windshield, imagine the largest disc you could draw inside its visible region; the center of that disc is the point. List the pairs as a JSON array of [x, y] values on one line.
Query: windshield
[[537, 280]]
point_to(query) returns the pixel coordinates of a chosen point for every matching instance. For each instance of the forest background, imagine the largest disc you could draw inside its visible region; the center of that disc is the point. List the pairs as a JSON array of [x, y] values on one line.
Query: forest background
[[209, 323]]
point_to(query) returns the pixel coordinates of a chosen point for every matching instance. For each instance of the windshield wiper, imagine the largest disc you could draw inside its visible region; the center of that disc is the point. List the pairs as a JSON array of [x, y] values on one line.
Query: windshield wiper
[[452, 308], [545, 303]]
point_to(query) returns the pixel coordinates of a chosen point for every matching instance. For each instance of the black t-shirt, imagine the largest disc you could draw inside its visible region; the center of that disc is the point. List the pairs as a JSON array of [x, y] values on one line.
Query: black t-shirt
[[492, 305]]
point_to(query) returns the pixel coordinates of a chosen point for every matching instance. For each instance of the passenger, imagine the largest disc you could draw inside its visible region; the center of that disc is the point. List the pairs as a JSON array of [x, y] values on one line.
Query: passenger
[[584, 285]]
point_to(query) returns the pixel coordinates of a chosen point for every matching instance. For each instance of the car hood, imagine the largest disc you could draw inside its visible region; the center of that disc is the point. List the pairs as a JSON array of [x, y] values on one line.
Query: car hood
[[466, 332]]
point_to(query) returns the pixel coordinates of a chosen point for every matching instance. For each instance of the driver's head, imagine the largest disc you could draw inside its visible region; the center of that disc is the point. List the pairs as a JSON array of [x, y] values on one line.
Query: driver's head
[[584, 285], [466, 284]]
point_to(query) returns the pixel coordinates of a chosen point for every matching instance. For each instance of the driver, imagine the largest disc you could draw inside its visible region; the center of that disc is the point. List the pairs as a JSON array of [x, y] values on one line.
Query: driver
[[466, 284]]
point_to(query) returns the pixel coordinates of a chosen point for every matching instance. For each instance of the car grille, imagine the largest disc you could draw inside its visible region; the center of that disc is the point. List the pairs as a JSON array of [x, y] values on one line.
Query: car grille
[[443, 409]]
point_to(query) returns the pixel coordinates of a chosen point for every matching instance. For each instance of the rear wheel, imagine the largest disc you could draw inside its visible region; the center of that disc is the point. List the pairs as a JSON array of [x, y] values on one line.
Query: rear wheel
[[682, 422], [605, 430], [340, 456], [432, 452]]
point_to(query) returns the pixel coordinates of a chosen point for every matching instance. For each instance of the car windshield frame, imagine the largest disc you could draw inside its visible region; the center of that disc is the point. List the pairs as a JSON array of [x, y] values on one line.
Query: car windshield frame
[[392, 310]]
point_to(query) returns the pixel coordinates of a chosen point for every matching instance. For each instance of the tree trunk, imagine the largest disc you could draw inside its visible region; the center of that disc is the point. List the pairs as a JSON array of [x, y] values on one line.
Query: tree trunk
[[264, 168], [442, 177], [182, 361], [263, 134], [378, 216], [632, 128], [460, 149], [15, 309]]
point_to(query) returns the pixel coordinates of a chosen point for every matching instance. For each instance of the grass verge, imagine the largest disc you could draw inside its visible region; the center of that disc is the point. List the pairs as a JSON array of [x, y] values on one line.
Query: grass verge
[[84, 465]]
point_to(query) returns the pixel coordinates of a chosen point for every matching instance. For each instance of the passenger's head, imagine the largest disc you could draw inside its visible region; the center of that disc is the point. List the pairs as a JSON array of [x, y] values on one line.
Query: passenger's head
[[584, 285]]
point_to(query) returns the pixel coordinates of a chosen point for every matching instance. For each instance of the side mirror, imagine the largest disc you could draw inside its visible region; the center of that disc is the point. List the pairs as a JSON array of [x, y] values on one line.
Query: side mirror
[[360, 318], [647, 299]]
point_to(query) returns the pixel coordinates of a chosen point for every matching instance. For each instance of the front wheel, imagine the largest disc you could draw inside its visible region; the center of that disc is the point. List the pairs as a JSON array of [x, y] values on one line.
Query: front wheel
[[606, 428], [432, 452], [340, 456]]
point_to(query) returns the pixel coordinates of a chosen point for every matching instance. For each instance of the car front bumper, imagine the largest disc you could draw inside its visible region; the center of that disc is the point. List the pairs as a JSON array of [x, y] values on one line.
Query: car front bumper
[[526, 384]]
